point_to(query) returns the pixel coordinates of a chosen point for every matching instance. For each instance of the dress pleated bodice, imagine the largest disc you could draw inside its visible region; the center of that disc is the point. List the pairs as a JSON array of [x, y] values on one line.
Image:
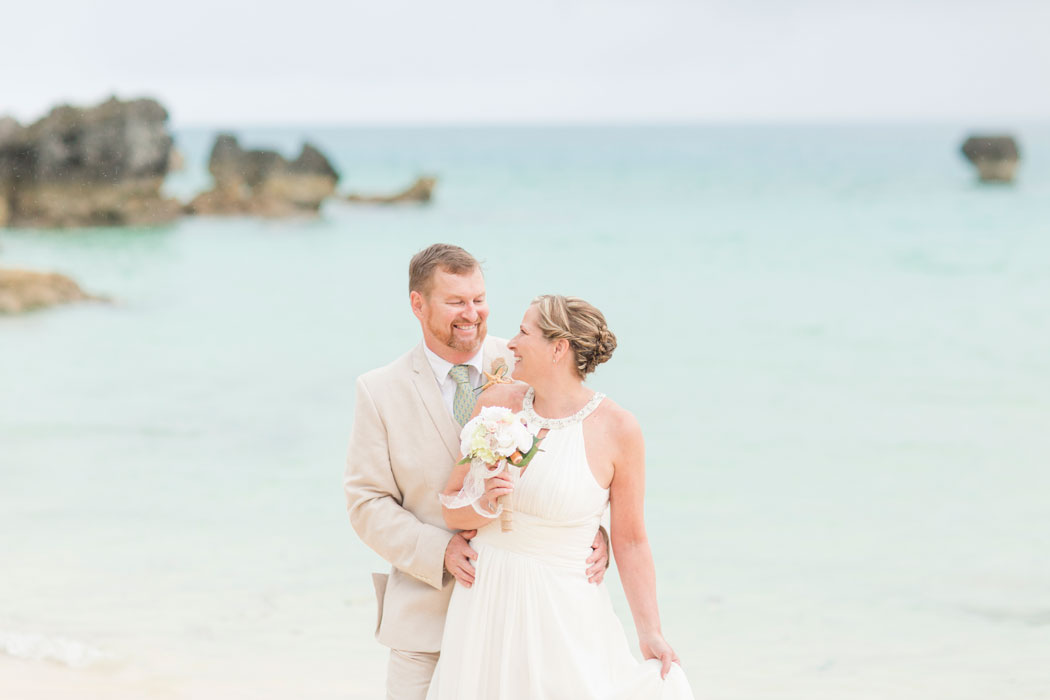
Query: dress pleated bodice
[[556, 506]]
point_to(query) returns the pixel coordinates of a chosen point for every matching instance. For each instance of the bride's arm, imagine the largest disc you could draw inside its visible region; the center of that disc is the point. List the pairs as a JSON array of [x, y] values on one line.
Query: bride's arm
[[630, 544], [466, 518]]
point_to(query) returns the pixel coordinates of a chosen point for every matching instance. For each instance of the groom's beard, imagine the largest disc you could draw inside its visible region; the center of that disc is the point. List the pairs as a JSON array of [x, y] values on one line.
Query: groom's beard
[[447, 336]]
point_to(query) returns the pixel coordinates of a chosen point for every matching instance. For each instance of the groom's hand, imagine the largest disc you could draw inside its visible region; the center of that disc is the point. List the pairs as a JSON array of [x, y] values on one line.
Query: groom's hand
[[599, 559], [458, 554]]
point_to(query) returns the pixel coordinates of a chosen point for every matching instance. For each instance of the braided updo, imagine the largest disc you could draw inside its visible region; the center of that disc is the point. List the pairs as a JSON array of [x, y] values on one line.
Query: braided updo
[[581, 324]]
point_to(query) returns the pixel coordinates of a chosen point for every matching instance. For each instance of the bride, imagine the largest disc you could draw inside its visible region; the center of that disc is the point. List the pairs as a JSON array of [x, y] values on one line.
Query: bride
[[532, 626]]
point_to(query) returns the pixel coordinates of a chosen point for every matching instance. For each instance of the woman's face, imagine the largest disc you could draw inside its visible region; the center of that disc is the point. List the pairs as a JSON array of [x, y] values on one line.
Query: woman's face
[[533, 354]]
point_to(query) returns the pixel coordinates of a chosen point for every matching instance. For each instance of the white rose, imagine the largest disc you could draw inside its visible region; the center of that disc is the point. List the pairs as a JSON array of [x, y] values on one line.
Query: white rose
[[493, 414], [466, 436], [521, 436]]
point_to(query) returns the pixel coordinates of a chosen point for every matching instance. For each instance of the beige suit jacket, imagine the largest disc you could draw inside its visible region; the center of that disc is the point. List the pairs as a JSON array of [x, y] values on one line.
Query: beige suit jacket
[[403, 446]]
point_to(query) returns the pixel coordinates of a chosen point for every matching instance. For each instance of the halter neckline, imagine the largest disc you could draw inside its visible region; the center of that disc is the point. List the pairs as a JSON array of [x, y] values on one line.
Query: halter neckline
[[538, 421]]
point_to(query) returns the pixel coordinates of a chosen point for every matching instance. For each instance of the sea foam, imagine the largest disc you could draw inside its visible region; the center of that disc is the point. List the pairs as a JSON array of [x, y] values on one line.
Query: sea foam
[[37, 647]]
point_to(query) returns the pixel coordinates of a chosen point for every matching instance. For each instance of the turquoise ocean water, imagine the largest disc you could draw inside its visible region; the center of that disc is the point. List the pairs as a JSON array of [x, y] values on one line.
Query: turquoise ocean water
[[837, 343]]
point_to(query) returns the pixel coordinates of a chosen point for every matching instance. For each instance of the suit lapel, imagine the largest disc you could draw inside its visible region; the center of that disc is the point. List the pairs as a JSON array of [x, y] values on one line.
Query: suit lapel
[[426, 385]]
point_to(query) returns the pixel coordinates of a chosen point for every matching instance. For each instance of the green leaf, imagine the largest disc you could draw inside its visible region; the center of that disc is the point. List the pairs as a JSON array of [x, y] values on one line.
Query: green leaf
[[527, 457]]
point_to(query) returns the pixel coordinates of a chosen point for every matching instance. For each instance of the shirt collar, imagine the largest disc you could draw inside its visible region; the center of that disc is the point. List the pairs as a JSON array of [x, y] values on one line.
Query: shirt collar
[[441, 366]]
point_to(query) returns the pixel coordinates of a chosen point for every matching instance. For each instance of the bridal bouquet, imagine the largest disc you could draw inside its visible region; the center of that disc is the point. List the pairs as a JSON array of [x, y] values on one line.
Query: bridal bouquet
[[497, 439]]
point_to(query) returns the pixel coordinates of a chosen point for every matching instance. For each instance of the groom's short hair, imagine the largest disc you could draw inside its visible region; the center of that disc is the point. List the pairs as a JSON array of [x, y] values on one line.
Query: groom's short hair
[[450, 258]]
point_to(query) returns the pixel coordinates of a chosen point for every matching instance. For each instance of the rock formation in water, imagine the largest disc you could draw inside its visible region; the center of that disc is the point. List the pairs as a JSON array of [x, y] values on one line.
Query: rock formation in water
[[25, 290], [420, 192], [996, 157], [264, 183], [101, 165], [10, 130]]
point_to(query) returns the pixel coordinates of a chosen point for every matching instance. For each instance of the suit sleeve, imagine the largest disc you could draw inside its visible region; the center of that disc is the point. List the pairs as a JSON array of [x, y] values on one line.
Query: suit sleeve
[[374, 500]]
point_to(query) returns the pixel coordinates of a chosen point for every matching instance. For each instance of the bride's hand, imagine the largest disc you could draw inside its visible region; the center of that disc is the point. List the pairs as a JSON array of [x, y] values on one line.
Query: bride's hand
[[654, 646], [495, 487]]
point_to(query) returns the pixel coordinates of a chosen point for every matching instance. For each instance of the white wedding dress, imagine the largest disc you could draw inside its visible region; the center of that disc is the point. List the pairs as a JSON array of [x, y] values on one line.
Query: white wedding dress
[[532, 627]]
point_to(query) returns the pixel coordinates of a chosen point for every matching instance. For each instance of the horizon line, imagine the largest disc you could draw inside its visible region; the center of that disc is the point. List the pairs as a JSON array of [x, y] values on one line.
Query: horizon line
[[989, 124]]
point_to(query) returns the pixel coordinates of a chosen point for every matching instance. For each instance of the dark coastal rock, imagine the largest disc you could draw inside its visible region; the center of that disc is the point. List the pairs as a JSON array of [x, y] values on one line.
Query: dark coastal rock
[[10, 133], [996, 157], [10, 129], [264, 183], [101, 165], [26, 290], [419, 192]]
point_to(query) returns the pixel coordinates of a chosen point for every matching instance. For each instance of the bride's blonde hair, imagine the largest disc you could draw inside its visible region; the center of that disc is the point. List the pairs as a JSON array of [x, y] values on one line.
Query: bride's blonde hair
[[579, 322]]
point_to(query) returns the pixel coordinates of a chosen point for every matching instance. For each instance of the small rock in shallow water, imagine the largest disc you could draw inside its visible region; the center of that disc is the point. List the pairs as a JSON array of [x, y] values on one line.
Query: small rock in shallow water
[[419, 192], [26, 290], [996, 157]]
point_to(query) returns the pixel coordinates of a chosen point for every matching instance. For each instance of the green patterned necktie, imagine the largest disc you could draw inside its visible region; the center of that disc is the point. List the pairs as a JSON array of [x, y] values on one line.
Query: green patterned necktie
[[464, 400]]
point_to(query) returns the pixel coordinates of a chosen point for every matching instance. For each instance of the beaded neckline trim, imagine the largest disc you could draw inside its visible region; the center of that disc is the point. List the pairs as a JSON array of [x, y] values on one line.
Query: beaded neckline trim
[[538, 421]]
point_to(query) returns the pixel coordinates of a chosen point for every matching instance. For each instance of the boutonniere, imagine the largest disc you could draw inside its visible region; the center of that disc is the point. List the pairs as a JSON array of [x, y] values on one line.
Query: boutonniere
[[498, 375]]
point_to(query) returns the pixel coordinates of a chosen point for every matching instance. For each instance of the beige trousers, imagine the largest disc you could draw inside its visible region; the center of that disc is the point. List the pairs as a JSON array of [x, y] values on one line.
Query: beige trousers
[[408, 674]]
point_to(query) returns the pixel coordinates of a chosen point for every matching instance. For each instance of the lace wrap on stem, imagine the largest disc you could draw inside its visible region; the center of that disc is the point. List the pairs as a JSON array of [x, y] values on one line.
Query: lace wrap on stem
[[473, 489]]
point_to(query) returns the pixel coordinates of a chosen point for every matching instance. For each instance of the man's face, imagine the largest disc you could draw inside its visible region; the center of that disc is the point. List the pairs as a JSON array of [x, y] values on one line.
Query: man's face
[[453, 314]]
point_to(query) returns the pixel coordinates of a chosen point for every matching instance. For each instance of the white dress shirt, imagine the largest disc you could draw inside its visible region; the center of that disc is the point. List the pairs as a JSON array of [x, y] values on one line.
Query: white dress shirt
[[446, 383]]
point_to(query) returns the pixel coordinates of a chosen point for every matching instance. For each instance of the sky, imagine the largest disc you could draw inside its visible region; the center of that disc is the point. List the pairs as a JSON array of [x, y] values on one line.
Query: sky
[[214, 62]]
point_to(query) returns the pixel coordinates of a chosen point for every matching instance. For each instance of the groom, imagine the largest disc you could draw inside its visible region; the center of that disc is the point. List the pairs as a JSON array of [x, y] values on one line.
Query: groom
[[404, 442]]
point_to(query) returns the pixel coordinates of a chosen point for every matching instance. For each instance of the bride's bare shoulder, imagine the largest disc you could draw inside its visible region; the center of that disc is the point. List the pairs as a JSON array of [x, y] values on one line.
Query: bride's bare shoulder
[[618, 420], [509, 395]]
